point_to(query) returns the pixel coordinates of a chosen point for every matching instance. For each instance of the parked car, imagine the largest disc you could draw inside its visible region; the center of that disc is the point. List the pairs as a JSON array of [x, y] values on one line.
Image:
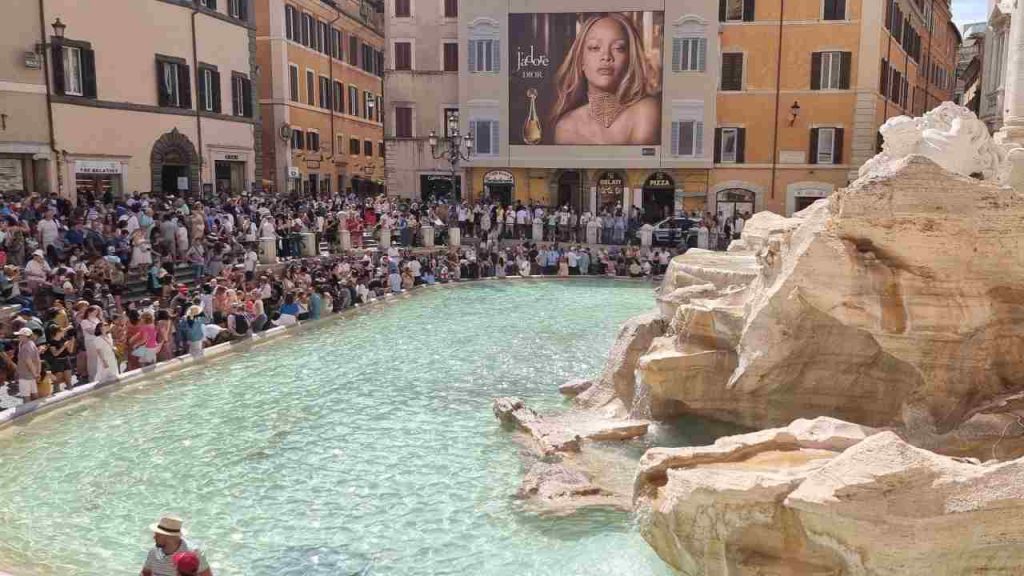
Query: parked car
[[676, 230]]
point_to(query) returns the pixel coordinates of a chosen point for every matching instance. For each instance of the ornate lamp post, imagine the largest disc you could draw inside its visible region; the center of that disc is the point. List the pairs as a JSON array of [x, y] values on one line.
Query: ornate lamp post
[[453, 148]]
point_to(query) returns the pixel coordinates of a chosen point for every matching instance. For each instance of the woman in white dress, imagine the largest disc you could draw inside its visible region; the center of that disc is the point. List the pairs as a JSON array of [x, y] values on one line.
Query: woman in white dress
[[142, 256], [106, 360], [90, 321]]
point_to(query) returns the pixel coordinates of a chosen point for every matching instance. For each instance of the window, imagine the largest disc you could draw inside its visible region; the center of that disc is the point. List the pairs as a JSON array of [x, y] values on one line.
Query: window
[[307, 29], [339, 97], [241, 95], [209, 89], [367, 148], [293, 82], [339, 146], [289, 16], [830, 71], [484, 56], [403, 55], [174, 87], [380, 109], [826, 146], [380, 149], [730, 145], [238, 9], [353, 50], [310, 88], [732, 71], [403, 122], [688, 138], [369, 104], [834, 10], [353, 100], [451, 8], [485, 137], [298, 139], [296, 25], [403, 8], [336, 44], [325, 93], [451, 120], [353, 146], [451, 56], [369, 59], [210, 4], [73, 85], [312, 141], [735, 10], [689, 54]]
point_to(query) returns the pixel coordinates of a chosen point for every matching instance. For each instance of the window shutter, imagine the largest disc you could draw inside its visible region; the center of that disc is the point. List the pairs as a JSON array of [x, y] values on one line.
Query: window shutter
[[845, 66], [721, 10], [702, 48], [246, 98], [883, 78], [677, 54], [741, 145], [748, 10], [676, 137], [812, 158], [496, 55], [185, 86], [888, 14], [57, 57], [816, 71], [837, 147], [288, 21], [472, 55], [495, 139], [201, 88], [88, 73], [718, 145], [162, 98], [216, 93], [698, 139]]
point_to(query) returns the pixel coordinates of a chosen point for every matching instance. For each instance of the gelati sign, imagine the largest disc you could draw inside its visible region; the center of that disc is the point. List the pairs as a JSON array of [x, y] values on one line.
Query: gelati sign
[[610, 180]]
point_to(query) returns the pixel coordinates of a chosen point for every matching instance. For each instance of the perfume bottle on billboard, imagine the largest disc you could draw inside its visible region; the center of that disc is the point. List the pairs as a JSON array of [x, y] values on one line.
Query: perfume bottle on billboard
[[532, 133]]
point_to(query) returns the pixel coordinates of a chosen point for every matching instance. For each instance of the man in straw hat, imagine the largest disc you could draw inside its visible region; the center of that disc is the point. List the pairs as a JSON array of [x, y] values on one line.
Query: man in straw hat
[[172, 552], [193, 326]]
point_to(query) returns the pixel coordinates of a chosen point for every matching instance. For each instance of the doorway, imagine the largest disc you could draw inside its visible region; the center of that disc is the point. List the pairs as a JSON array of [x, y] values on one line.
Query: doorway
[[569, 190], [171, 176], [734, 202], [659, 195], [230, 176]]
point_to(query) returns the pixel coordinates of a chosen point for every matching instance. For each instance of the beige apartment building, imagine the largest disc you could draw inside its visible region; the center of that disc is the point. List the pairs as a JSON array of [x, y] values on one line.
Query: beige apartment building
[[321, 87], [25, 154], [422, 94], [725, 106], [164, 104]]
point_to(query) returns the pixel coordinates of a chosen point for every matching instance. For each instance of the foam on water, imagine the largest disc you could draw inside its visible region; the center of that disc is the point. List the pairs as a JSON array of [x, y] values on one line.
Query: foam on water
[[366, 443]]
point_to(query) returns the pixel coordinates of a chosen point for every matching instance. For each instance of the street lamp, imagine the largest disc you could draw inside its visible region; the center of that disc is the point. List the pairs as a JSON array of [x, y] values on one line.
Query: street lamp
[[451, 147], [794, 111], [58, 29]]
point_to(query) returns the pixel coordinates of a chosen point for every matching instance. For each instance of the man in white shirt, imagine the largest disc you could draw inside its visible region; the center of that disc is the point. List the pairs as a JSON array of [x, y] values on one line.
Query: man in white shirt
[[168, 537], [415, 269], [49, 231]]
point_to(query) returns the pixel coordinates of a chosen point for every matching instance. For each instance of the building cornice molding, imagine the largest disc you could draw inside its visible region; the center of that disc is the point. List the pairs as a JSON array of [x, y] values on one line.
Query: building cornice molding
[[146, 108]]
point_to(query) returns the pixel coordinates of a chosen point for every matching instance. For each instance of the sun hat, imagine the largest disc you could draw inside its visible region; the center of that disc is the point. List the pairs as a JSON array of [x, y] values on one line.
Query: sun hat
[[168, 526], [39, 253], [193, 311], [24, 332], [186, 562]]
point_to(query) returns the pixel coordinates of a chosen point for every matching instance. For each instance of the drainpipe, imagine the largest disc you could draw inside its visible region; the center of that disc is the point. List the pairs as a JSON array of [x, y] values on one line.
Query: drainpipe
[[49, 100], [778, 90], [199, 117], [927, 75]]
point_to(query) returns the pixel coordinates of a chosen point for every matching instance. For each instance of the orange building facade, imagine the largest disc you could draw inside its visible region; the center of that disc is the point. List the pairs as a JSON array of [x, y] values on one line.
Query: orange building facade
[[321, 91]]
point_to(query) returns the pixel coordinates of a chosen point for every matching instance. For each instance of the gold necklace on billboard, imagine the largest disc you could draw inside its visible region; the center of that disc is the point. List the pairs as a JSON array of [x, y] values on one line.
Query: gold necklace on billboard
[[604, 107]]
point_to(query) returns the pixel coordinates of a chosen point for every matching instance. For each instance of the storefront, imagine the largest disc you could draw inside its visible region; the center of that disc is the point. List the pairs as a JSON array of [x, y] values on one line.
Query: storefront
[[610, 188], [733, 201], [439, 187], [659, 197], [95, 179], [229, 173], [294, 179], [499, 187], [12, 175]]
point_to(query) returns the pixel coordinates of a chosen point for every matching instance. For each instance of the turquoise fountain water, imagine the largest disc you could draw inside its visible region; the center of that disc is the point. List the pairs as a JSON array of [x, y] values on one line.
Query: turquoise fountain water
[[367, 441]]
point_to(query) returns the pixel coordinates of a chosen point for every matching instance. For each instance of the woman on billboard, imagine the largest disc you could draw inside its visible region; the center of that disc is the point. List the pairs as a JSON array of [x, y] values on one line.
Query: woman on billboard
[[601, 86]]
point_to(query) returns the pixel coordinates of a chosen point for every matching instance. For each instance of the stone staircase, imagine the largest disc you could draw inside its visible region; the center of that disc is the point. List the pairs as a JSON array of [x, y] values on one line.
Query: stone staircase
[[135, 283]]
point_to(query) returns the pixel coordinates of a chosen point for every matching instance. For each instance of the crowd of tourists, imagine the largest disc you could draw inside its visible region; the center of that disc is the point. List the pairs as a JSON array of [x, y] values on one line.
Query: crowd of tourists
[[69, 271]]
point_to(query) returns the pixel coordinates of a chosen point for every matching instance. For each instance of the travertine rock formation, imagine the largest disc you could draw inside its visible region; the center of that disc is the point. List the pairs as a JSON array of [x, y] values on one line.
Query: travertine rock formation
[[827, 497], [896, 302]]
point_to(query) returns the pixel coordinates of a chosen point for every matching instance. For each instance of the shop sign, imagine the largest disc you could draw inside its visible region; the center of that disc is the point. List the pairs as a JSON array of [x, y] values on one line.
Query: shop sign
[[610, 180], [792, 157], [235, 157], [438, 178], [182, 182], [499, 177], [293, 172], [812, 193], [660, 181], [97, 167]]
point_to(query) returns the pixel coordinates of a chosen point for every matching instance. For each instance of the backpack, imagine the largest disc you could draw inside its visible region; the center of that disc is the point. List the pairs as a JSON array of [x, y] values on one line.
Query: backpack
[[241, 323]]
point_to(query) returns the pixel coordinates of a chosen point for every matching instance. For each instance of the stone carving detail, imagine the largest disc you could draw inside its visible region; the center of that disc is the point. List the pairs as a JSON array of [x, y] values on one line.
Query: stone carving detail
[[949, 135]]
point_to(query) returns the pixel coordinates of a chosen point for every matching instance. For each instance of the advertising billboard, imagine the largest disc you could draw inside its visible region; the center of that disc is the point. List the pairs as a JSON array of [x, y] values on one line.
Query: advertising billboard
[[586, 79]]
